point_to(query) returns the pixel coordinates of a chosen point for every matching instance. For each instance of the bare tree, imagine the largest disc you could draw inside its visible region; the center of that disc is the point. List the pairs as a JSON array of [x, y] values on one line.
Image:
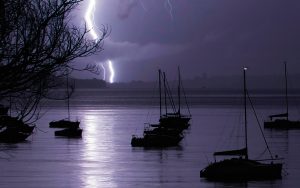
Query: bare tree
[[38, 43]]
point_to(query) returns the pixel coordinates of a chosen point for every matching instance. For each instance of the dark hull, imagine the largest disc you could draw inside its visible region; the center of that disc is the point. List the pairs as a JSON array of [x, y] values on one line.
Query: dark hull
[[70, 133], [14, 130], [156, 141], [163, 131], [282, 124], [26, 128], [241, 170], [64, 124], [13, 136], [3, 110], [175, 122]]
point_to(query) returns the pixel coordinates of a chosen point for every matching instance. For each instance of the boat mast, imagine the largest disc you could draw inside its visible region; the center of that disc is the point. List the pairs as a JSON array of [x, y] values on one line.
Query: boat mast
[[159, 80], [245, 112], [286, 92], [165, 92], [179, 79]]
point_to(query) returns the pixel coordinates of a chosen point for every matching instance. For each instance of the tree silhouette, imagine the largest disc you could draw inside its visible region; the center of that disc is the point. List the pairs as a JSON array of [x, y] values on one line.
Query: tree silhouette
[[38, 44]]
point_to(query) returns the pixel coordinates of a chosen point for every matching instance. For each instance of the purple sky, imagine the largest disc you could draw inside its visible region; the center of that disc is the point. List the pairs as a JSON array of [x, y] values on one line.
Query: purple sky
[[215, 37]]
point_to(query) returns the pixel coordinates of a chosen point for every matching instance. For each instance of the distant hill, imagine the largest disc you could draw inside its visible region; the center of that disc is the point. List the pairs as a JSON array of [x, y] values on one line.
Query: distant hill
[[82, 83], [234, 82], [89, 83]]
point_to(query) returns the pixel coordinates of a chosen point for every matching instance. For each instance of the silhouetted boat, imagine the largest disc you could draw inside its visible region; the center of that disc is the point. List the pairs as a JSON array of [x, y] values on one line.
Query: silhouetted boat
[[69, 132], [156, 140], [13, 135], [71, 128], [175, 119], [168, 132], [13, 130], [64, 123], [15, 123], [241, 168], [157, 129], [157, 137], [281, 121]]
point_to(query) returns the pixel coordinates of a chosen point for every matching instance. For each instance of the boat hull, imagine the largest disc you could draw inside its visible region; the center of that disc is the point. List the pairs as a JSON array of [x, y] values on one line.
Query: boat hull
[[13, 136], [69, 132], [163, 131], [64, 124], [282, 124], [14, 130], [155, 141], [175, 122], [240, 170]]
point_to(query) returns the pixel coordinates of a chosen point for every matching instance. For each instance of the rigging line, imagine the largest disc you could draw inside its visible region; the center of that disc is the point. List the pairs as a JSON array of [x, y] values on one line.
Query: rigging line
[[261, 131], [296, 102], [239, 123], [37, 128], [220, 142], [153, 100], [168, 92], [262, 153], [170, 96], [185, 99]]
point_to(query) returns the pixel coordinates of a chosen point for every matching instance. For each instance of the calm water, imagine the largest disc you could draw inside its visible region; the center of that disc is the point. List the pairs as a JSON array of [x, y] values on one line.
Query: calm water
[[104, 157]]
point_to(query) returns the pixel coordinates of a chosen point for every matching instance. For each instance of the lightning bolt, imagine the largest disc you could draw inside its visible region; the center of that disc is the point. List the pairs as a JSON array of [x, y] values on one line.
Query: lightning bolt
[[112, 72], [104, 72], [142, 4], [169, 6], [89, 18]]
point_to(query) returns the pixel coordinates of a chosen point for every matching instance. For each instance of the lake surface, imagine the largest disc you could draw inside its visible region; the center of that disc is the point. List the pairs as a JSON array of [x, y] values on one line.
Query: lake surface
[[103, 157]]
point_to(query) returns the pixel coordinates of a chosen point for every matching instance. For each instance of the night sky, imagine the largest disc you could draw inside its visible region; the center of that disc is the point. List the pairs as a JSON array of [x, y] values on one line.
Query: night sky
[[215, 37]]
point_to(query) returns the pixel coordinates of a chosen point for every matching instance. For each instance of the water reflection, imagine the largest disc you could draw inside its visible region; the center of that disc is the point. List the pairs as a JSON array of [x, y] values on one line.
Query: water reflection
[[97, 155], [104, 157]]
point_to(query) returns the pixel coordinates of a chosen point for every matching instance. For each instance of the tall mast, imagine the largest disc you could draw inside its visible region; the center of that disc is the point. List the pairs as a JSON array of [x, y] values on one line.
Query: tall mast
[[245, 112], [165, 92], [286, 92], [179, 79], [159, 80]]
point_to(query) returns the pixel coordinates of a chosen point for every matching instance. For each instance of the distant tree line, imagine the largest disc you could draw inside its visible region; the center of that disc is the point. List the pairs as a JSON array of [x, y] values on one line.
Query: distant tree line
[[38, 44]]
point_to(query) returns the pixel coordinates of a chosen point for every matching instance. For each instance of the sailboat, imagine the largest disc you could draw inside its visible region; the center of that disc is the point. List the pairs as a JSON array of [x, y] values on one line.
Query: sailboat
[[71, 128], [156, 138], [241, 168], [282, 121], [175, 119], [168, 132], [13, 129]]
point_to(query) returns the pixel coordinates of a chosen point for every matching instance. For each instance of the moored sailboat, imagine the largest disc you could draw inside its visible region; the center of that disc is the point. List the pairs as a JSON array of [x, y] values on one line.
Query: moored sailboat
[[168, 132], [71, 128], [282, 121], [241, 168], [175, 119], [156, 139], [13, 129]]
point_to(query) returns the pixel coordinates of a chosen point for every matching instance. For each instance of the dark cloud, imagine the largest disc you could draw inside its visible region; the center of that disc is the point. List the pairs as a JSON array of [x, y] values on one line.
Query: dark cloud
[[214, 36], [125, 7]]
